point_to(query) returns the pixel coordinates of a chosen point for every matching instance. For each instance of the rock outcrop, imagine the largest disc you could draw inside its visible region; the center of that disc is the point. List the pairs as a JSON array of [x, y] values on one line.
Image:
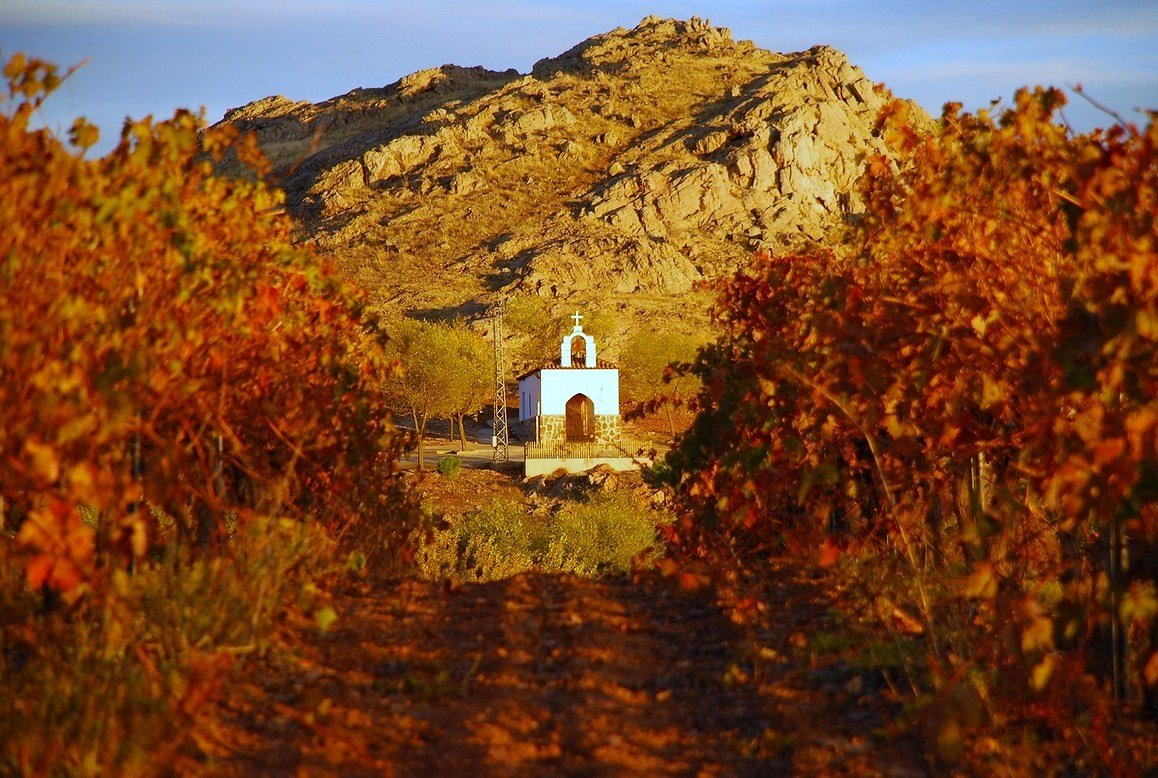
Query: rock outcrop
[[619, 173]]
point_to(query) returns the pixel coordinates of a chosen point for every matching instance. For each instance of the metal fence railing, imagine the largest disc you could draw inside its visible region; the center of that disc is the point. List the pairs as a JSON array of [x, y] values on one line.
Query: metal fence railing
[[574, 450]]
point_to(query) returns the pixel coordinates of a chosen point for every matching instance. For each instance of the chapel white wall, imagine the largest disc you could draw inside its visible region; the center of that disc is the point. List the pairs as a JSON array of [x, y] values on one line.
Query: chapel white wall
[[529, 390], [559, 386]]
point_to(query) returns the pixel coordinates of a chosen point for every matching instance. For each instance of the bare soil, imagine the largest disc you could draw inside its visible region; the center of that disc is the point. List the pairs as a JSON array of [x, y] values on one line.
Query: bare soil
[[469, 488], [543, 674]]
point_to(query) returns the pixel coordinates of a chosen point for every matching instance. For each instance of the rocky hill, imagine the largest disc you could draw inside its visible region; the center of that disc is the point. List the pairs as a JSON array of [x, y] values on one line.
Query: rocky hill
[[615, 175]]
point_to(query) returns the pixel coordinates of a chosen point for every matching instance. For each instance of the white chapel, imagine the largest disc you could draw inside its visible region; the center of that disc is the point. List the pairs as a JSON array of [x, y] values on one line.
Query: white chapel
[[574, 400]]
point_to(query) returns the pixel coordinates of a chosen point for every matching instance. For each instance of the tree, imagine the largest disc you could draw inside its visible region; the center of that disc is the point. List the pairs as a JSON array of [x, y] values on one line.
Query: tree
[[419, 385], [645, 368], [471, 373], [538, 331], [530, 325], [446, 373]]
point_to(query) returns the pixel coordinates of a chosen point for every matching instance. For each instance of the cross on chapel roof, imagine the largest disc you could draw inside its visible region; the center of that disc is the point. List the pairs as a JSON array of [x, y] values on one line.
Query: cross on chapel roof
[[587, 351]]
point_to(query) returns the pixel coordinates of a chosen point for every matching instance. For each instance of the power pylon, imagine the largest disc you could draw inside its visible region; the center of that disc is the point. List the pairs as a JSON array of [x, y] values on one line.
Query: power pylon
[[500, 442]]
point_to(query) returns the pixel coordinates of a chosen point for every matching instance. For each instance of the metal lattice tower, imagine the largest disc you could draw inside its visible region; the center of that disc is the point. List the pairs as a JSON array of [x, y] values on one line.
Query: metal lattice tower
[[500, 442]]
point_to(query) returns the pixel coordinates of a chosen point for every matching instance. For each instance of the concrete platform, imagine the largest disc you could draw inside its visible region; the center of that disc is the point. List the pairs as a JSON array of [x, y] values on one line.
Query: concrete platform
[[548, 465]]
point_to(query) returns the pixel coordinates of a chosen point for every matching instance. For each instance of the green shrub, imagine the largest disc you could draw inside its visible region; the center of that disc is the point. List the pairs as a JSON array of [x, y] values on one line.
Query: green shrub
[[599, 536], [602, 535], [487, 544], [449, 466], [660, 474]]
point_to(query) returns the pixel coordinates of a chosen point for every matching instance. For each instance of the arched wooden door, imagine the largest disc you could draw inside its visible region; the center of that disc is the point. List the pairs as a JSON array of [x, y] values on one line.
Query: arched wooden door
[[580, 418]]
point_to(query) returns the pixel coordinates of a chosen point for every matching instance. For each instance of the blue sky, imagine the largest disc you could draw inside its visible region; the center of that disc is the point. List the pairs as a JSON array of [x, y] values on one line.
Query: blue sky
[[152, 56]]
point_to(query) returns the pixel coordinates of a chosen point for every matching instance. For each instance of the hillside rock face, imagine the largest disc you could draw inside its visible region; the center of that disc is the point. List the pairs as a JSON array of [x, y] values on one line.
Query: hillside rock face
[[617, 174]]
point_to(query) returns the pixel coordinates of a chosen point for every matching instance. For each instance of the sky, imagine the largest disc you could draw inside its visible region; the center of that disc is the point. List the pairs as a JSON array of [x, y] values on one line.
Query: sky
[[150, 57]]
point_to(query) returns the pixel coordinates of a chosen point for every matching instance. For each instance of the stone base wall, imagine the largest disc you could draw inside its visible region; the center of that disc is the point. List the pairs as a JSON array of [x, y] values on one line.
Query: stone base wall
[[606, 429], [552, 428]]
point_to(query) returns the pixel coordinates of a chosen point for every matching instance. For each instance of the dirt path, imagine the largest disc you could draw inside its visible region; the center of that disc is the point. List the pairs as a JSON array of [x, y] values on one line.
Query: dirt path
[[545, 674]]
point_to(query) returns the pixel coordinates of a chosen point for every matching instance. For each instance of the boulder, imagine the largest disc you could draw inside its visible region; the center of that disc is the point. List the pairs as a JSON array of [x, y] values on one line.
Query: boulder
[[601, 478]]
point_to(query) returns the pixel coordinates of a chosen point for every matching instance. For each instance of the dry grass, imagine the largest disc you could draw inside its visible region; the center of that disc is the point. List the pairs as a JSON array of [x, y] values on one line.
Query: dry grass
[[117, 683]]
